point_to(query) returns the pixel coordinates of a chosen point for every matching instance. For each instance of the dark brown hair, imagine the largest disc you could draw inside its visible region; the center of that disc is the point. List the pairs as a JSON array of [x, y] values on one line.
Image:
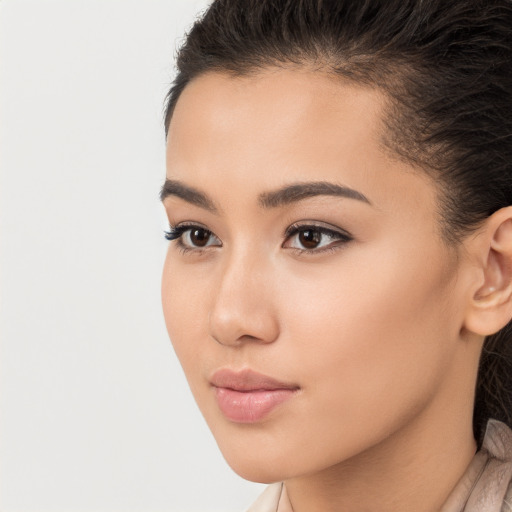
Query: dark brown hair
[[446, 67]]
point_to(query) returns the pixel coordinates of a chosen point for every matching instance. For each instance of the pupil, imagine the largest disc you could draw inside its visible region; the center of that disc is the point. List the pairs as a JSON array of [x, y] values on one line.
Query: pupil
[[309, 238], [199, 237]]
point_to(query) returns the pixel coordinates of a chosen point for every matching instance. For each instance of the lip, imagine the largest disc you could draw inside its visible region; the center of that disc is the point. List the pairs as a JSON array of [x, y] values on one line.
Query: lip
[[247, 396]]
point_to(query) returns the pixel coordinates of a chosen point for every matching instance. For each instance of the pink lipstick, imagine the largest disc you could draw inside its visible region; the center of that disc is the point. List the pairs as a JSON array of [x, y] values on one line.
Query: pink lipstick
[[246, 396]]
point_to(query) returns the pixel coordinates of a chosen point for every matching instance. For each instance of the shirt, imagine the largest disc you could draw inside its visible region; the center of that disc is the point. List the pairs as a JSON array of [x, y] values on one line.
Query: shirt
[[484, 487]]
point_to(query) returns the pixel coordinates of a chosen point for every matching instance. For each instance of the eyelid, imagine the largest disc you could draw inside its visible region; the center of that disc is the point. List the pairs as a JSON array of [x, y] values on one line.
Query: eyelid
[[338, 238], [321, 226], [178, 229], [176, 233]]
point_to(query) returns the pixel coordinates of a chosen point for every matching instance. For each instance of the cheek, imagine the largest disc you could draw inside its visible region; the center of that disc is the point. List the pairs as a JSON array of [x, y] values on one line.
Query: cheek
[[370, 338], [184, 303]]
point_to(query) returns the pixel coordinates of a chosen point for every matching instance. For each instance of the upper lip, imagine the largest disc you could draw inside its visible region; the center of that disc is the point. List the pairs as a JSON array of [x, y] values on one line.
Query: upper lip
[[247, 380]]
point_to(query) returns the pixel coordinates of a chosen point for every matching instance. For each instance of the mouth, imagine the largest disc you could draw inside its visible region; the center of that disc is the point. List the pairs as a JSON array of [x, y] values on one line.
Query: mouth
[[247, 396]]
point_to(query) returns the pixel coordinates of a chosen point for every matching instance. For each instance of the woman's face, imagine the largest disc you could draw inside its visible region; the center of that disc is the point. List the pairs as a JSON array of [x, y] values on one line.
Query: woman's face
[[309, 298]]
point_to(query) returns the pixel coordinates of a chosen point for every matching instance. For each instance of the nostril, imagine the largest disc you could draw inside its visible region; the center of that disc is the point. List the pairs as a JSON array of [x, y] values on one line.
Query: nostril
[[236, 340], [242, 329]]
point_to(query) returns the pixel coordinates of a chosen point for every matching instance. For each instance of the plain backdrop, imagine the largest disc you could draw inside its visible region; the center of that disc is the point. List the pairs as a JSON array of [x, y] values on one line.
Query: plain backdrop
[[95, 412]]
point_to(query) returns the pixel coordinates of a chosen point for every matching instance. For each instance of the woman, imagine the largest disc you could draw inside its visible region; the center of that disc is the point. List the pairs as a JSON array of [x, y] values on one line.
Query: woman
[[339, 278]]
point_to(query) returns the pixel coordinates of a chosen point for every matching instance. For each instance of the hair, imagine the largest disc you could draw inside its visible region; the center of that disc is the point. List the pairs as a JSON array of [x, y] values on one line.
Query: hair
[[446, 68]]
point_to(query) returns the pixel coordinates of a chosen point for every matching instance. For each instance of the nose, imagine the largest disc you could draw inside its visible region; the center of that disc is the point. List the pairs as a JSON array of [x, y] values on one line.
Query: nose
[[243, 309]]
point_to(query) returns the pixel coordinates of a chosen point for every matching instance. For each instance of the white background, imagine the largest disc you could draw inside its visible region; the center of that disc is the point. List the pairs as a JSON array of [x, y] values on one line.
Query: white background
[[95, 411]]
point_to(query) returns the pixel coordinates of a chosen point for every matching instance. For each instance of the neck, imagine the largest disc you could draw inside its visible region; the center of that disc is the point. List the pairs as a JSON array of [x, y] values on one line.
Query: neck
[[416, 468]]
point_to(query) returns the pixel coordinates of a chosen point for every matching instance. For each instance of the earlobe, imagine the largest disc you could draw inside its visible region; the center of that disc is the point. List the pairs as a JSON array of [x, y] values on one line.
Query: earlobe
[[490, 306]]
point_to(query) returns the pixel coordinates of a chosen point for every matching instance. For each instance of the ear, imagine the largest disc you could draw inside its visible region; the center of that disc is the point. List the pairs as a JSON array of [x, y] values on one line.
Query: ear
[[490, 306]]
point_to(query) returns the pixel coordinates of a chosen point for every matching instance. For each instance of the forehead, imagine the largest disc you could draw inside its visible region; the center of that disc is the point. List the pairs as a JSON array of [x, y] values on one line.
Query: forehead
[[299, 93], [274, 114], [262, 131]]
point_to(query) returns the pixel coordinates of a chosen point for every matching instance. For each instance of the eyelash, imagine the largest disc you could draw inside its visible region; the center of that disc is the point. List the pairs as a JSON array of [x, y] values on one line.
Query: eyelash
[[340, 237], [176, 233]]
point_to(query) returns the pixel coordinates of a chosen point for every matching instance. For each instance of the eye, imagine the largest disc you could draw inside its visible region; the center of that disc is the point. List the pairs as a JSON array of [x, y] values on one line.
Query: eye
[[190, 237], [309, 238]]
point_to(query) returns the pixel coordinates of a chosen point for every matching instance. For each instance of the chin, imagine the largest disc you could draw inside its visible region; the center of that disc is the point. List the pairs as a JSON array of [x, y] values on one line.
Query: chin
[[262, 472], [261, 464]]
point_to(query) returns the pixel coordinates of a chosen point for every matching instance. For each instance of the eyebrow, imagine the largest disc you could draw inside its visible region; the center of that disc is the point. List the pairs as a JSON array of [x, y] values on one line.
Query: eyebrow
[[299, 191], [187, 193], [274, 199]]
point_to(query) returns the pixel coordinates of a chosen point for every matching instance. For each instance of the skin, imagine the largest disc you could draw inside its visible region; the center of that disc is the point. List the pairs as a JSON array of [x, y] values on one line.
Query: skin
[[381, 335]]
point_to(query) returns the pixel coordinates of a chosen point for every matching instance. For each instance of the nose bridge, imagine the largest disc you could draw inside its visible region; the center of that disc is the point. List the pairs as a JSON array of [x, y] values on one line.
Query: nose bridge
[[243, 308]]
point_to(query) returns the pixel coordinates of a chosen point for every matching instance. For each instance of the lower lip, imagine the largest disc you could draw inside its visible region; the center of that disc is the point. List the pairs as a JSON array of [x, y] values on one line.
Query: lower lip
[[250, 406]]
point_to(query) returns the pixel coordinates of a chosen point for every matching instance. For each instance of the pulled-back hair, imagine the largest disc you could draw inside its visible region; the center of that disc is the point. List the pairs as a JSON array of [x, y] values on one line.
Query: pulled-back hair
[[446, 68]]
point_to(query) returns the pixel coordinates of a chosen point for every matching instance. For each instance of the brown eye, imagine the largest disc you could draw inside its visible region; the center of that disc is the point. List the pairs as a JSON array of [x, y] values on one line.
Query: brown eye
[[194, 238], [199, 237], [314, 239], [190, 238], [309, 238]]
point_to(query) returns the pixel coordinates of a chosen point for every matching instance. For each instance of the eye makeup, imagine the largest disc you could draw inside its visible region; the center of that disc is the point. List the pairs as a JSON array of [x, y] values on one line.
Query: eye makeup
[[310, 238], [313, 236]]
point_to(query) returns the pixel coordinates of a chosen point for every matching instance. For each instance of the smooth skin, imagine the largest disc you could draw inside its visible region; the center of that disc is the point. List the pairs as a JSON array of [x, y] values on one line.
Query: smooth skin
[[381, 331]]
